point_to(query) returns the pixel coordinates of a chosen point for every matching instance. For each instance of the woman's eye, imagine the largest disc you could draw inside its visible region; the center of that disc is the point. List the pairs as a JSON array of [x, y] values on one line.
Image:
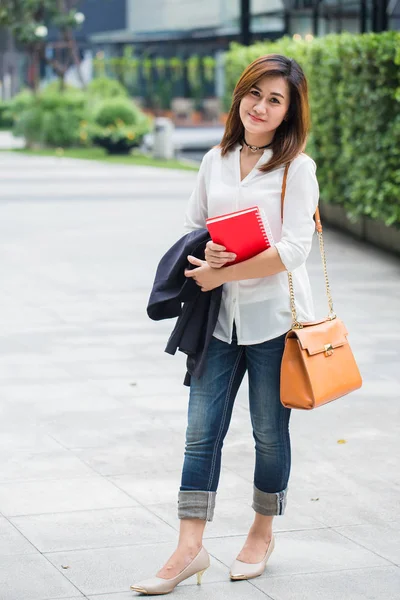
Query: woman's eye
[[255, 93], [276, 100]]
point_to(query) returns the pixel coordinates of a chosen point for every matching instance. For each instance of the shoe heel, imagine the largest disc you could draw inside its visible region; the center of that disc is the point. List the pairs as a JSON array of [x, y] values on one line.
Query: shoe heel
[[200, 575]]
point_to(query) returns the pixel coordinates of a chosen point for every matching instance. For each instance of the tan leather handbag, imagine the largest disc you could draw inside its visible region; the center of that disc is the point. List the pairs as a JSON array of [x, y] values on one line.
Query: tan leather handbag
[[318, 365]]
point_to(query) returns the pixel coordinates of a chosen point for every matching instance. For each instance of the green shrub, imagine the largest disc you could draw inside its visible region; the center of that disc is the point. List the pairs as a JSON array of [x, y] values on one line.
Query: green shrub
[[55, 86], [51, 118], [20, 102], [117, 109], [354, 83], [117, 125], [103, 88], [6, 120]]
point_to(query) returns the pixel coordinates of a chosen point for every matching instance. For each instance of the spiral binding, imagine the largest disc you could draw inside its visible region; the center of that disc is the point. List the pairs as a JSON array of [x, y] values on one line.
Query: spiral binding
[[264, 226]]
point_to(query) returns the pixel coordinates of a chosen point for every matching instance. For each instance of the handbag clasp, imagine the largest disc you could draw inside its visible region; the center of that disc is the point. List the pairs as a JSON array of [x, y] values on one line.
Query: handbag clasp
[[328, 349]]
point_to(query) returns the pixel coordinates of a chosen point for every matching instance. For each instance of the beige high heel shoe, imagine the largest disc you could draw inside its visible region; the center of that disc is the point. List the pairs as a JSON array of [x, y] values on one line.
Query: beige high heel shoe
[[159, 586], [242, 570]]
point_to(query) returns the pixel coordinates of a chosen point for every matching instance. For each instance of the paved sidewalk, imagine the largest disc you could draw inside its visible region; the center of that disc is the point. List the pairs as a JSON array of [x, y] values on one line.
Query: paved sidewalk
[[93, 411], [196, 139]]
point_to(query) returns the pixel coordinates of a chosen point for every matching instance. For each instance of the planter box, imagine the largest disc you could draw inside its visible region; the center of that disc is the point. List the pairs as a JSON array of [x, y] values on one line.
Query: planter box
[[380, 235], [122, 146], [212, 109], [182, 108], [368, 230], [336, 215]]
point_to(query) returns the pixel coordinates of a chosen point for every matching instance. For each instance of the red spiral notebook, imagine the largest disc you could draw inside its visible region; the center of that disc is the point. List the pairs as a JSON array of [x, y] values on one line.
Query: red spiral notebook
[[244, 232]]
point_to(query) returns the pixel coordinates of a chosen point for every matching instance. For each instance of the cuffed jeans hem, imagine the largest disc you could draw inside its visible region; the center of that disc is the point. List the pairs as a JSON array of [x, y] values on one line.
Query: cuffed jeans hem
[[269, 504], [196, 504]]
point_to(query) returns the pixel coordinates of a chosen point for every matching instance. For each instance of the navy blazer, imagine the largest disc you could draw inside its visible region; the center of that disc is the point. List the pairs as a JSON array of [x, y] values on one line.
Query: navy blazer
[[174, 295]]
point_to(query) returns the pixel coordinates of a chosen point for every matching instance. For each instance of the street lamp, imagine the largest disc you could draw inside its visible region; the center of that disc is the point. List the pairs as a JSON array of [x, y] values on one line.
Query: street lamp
[[41, 31], [79, 18]]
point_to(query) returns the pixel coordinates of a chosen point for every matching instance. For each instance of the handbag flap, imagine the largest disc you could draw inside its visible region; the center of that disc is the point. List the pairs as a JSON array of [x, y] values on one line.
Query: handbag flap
[[315, 337]]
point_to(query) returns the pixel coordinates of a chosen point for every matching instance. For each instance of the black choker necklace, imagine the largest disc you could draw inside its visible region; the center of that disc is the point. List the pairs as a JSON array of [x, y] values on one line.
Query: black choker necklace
[[255, 148]]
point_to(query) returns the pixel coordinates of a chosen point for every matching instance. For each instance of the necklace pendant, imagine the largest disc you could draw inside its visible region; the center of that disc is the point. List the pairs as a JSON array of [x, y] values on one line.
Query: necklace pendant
[[255, 148]]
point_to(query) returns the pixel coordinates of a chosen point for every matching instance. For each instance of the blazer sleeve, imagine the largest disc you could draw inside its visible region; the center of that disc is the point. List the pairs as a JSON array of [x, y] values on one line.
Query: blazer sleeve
[[197, 209], [301, 201]]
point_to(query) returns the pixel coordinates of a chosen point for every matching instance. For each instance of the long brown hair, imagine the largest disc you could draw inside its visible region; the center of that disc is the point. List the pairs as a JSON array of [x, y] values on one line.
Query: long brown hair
[[291, 136]]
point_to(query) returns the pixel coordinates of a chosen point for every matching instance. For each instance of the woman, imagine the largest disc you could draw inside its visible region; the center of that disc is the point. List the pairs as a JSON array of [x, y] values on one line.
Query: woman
[[267, 128]]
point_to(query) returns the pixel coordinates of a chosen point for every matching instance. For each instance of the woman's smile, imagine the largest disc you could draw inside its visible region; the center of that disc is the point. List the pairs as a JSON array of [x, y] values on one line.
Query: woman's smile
[[256, 119]]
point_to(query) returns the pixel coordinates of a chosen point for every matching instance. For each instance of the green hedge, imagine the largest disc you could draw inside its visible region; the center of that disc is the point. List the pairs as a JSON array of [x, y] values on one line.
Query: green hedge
[[354, 83]]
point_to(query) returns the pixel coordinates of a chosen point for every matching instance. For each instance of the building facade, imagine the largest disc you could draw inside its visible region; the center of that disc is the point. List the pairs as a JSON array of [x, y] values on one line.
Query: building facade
[[182, 27], [176, 27]]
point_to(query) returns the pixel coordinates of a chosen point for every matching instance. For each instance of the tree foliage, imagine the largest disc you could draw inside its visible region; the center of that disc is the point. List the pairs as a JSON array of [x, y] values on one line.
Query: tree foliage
[[28, 21], [24, 16]]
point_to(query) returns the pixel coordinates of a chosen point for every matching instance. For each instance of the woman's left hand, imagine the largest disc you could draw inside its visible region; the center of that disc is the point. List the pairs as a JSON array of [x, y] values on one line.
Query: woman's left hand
[[205, 276]]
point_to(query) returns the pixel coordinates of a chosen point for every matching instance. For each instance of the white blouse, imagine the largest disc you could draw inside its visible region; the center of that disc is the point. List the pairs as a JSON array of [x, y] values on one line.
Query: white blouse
[[260, 308]]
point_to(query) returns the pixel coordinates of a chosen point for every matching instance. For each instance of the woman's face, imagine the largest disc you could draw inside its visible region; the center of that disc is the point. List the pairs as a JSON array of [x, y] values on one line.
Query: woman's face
[[263, 109]]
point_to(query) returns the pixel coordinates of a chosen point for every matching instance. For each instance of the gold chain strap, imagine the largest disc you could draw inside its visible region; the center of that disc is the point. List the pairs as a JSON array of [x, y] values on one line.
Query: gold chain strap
[[331, 314], [295, 323]]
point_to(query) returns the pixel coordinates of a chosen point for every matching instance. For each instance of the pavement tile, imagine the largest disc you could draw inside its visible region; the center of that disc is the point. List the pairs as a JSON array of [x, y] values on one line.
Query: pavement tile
[[123, 387], [92, 529], [374, 583], [104, 368], [12, 541], [82, 350], [30, 466], [43, 373], [102, 437], [303, 552], [168, 382], [33, 577], [159, 398], [338, 507], [45, 400], [38, 497], [381, 538], [164, 450], [24, 438]]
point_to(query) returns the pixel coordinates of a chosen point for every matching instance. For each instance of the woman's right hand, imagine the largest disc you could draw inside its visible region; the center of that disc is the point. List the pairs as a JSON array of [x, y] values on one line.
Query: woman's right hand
[[216, 255]]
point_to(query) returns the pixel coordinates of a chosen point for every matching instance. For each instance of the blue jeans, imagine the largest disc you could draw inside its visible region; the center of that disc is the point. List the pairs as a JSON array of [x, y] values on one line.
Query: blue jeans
[[210, 408]]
